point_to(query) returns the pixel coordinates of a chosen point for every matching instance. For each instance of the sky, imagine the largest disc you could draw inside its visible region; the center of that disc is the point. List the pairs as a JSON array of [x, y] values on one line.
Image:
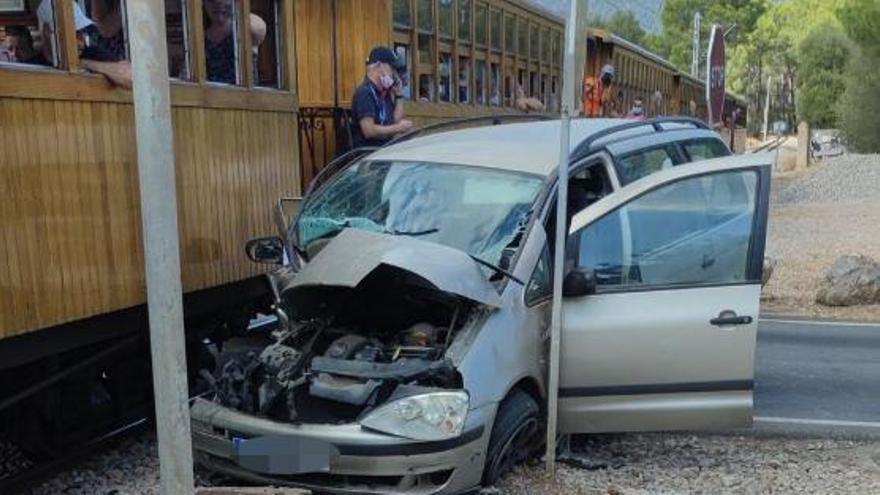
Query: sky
[[647, 11]]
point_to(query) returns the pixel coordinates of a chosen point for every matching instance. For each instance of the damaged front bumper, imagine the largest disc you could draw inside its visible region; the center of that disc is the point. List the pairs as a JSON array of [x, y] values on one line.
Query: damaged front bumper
[[337, 458]]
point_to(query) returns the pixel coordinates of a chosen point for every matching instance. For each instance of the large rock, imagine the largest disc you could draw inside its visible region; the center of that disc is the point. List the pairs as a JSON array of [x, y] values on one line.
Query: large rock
[[852, 280]]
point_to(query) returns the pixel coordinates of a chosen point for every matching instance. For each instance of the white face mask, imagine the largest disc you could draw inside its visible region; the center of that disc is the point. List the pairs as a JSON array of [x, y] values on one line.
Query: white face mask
[[386, 81]]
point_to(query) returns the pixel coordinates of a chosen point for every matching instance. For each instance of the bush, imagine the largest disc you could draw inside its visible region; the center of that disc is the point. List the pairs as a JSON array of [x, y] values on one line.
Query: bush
[[859, 107]]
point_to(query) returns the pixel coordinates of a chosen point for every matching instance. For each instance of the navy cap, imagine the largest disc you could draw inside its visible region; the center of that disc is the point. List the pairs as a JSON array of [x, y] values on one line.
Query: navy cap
[[385, 55]]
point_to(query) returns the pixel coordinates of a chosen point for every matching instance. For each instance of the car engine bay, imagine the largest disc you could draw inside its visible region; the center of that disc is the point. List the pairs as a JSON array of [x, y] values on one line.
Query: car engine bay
[[340, 352]]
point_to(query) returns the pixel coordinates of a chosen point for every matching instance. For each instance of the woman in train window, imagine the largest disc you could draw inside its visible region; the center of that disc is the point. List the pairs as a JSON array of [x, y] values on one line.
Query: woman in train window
[[110, 36], [220, 46]]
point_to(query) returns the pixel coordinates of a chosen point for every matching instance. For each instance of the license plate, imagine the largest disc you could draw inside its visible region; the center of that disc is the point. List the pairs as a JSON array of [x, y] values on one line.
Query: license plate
[[283, 455]]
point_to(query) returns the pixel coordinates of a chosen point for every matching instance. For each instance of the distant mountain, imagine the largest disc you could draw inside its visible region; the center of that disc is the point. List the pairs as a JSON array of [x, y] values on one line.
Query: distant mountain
[[646, 11]]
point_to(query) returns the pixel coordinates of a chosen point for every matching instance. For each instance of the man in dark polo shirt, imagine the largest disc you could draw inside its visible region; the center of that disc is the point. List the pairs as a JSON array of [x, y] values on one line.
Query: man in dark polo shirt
[[377, 105]]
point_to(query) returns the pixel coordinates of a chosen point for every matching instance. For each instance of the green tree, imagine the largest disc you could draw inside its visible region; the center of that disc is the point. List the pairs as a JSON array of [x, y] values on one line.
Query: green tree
[[625, 24], [859, 108], [822, 57]]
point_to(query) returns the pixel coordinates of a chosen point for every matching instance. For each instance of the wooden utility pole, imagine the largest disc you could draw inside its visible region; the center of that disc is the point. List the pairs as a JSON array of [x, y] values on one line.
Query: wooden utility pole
[[767, 107], [155, 158], [575, 34]]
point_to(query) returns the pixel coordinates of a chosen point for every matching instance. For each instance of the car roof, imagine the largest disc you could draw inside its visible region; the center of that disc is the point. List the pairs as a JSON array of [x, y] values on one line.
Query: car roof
[[528, 147]]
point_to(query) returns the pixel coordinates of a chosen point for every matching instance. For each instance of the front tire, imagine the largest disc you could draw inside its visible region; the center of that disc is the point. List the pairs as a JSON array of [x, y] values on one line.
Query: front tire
[[514, 435]]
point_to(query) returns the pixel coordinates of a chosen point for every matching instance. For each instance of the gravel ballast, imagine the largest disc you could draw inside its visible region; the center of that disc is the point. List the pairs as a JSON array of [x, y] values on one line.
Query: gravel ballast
[[669, 463]]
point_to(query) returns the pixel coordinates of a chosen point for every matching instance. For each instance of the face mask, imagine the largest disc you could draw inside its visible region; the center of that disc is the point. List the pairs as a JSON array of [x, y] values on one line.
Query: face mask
[[386, 81]]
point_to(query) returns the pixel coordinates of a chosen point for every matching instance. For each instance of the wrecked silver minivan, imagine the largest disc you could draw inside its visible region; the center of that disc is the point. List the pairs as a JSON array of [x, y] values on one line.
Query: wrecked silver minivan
[[410, 354]]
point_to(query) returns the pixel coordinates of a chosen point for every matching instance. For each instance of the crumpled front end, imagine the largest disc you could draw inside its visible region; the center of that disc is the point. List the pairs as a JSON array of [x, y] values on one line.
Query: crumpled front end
[[359, 386]]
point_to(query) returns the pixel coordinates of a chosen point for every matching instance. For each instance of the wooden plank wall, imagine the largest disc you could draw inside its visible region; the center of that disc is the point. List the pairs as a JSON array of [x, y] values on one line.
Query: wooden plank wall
[[70, 231], [314, 52]]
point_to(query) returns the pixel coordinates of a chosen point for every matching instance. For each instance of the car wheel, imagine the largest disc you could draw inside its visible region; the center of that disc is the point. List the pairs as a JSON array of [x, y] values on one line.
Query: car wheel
[[514, 435]]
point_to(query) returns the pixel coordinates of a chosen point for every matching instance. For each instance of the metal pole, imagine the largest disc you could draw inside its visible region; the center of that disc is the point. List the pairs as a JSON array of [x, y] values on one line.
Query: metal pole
[[695, 48], [575, 31], [767, 107], [155, 153]]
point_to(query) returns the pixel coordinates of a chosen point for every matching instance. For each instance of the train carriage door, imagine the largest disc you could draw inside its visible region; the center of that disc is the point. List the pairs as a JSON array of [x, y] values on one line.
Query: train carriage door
[[665, 338]]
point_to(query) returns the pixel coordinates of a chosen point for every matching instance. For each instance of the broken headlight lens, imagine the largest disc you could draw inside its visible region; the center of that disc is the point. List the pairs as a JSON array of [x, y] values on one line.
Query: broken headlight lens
[[433, 416]]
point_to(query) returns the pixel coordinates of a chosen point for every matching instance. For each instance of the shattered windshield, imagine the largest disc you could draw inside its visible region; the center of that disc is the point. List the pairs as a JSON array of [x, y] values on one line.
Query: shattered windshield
[[474, 209]]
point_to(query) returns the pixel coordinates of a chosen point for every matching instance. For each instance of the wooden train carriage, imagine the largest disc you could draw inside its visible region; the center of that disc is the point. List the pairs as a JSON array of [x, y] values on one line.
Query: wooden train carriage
[[464, 58], [70, 226]]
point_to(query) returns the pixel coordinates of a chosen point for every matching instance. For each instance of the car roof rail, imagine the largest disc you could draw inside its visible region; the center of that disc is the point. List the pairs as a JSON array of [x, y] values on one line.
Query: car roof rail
[[585, 147], [336, 165], [495, 119]]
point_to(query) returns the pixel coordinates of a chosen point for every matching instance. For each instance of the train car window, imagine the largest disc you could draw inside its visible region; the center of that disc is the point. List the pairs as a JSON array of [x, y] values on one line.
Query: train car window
[[267, 55], [402, 14], [557, 53], [426, 49], [495, 29], [508, 90], [494, 85], [464, 80], [510, 34], [535, 85], [481, 21], [464, 20], [403, 51], [27, 39], [522, 33], [480, 82], [521, 79], [534, 43], [545, 46], [222, 40], [426, 88], [425, 16], [444, 73], [176, 18], [109, 33], [445, 16]]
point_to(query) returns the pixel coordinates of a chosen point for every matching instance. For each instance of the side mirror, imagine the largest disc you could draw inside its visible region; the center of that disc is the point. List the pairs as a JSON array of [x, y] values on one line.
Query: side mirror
[[579, 282], [269, 250]]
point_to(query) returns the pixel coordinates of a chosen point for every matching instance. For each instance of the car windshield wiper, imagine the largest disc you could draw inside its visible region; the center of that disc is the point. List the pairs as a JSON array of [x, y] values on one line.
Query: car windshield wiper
[[497, 269], [412, 234]]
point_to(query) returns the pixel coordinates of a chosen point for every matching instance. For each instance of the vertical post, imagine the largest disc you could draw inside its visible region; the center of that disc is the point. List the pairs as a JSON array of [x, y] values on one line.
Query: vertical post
[[575, 30], [155, 153], [767, 107], [695, 48]]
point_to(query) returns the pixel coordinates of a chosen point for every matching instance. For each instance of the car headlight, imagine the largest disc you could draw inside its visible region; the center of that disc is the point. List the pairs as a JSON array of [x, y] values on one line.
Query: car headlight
[[432, 416]]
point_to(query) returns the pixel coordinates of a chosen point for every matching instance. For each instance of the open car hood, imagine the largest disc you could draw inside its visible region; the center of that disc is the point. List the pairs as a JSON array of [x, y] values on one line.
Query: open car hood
[[353, 254]]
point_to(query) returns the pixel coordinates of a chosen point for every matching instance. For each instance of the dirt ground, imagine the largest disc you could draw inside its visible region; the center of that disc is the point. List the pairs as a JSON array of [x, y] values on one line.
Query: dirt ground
[[816, 216]]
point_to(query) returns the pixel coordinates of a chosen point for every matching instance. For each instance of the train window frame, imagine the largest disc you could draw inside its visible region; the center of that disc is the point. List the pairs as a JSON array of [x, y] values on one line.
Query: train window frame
[[496, 31], [466, 38], [508, 43], [440, 6], [522, 37], [429, 27], [409, 14], [481, 9]]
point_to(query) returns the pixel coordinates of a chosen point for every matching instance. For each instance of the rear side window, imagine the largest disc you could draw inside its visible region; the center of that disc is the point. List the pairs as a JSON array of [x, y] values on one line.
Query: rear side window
[[704, 149], [636, 165]]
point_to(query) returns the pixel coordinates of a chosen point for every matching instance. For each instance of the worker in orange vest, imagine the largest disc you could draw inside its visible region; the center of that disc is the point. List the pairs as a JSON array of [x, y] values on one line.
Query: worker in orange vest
[[599, 100]]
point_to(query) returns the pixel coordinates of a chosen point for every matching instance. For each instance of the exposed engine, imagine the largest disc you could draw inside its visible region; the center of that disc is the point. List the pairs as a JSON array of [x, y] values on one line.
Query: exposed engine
[[347, 353]]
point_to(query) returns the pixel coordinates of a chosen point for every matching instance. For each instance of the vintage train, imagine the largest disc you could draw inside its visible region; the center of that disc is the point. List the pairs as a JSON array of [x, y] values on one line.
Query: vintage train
[[260, 91]]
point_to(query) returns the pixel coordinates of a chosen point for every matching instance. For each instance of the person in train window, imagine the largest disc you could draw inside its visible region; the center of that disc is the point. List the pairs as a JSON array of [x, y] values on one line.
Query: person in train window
[[220, 41], [93, 58], [657, 104], [637, 112], [109, 36], [377, 105], [599, 98], [20, 47]]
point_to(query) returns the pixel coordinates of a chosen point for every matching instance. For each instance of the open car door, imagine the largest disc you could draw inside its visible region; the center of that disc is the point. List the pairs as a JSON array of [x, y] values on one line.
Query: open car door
[[666, 340]]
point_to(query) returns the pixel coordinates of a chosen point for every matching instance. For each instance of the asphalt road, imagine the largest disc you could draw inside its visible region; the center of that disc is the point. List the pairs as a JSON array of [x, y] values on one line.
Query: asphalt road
[[817, 378]]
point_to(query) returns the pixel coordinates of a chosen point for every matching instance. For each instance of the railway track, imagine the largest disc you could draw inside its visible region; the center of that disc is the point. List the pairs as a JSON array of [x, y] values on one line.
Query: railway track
[[770, 145], [31, 474]]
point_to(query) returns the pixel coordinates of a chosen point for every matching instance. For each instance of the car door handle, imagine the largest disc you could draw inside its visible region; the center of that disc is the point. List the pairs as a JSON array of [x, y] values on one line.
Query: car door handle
[[729, 318]]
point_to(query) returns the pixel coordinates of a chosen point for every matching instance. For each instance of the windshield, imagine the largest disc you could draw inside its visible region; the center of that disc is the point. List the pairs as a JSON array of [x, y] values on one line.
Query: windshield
[[474, 209]]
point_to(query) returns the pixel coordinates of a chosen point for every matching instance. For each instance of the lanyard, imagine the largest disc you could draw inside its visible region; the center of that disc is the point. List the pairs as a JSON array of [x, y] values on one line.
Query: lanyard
[[383, 112]]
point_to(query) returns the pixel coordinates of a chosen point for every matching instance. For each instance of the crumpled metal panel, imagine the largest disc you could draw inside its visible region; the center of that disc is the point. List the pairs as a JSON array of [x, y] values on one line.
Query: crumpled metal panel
[[353, 254]]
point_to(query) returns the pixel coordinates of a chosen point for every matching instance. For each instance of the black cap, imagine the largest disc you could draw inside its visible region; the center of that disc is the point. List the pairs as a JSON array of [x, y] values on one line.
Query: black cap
[[385, 55]]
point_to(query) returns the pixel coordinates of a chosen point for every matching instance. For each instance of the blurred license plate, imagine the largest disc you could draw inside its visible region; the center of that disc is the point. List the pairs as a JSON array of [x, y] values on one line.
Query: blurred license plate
[[279, 454]]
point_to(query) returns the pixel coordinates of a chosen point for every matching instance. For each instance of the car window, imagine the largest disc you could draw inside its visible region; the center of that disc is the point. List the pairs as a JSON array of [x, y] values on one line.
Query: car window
[[705, 149], [694, 231], [636, 165], [541, 283]]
